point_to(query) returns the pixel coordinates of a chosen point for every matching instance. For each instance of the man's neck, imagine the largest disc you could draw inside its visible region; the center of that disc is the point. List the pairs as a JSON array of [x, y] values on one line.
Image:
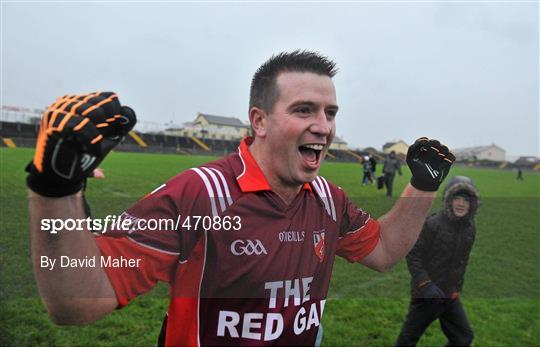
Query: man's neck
[[287, 193]]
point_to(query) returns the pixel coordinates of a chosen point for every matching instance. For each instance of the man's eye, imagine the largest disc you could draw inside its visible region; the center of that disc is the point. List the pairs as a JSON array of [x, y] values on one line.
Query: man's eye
[[303, 110], [331, 113]]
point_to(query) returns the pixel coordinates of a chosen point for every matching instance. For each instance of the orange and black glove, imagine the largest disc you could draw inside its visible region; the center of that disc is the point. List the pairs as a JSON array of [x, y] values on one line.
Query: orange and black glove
[[75, 135], [430, 162]]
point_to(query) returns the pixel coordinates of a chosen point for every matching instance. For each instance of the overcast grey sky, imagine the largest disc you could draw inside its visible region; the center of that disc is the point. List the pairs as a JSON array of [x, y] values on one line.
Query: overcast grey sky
[[464, 72]]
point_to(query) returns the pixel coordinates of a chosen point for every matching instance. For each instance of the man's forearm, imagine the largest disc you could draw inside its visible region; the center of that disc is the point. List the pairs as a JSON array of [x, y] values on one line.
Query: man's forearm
[[401, 226], [71, 295]]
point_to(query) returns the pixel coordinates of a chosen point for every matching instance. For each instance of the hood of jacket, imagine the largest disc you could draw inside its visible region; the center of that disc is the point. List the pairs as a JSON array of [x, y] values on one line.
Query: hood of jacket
[[461, 185]]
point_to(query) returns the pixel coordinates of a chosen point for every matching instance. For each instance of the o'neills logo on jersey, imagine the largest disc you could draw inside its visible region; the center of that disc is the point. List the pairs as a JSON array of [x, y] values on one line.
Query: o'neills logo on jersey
[[247, 247], [318, 244], [291, 236]]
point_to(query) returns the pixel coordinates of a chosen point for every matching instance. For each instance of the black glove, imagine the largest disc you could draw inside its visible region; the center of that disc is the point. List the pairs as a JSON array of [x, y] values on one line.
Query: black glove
[[75, 135], [429, 162], [431, 291]]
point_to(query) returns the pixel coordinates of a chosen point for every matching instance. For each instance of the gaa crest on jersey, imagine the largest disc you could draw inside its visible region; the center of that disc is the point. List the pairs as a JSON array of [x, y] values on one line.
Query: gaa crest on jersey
[[318, 244]]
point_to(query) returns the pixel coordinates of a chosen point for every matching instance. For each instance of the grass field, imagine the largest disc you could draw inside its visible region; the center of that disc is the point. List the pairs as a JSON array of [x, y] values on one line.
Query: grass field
[[365, 308]]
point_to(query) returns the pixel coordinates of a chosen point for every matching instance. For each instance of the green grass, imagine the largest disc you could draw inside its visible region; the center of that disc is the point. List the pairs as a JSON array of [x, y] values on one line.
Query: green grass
[[365, 308]]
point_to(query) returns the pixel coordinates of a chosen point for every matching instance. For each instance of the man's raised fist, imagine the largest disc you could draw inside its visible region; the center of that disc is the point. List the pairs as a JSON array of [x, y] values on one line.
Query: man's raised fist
[[75, 135], [430, 162]]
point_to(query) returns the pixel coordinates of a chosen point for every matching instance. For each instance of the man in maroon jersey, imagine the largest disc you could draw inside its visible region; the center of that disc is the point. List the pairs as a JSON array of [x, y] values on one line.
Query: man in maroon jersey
[[250, 249]]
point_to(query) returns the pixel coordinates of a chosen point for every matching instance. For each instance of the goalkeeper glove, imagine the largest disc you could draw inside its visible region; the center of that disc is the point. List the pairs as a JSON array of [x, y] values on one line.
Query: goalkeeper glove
[[75, 135], [429, 162]]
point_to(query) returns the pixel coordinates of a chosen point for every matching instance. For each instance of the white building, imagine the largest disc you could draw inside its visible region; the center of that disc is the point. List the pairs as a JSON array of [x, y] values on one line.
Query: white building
[[207, 126], [399, 146], [491, 152], [339, 144]]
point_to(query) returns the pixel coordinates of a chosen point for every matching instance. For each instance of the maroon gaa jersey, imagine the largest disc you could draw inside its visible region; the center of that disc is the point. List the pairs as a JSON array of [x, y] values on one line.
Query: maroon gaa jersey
[[252, 271]]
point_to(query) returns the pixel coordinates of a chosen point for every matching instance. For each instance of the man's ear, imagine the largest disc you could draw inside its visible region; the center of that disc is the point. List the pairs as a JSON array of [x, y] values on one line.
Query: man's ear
[[258, 119]]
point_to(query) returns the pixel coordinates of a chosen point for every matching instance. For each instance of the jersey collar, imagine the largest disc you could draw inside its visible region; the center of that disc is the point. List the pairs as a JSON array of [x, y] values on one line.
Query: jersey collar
[[252, 179]]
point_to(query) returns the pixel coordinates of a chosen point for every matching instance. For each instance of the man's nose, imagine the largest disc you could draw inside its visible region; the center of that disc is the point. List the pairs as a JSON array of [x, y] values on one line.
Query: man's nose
[[321, 124]]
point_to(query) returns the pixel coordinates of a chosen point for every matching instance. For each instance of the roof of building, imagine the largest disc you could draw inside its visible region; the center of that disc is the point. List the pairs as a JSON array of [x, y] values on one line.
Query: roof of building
[[390, 144], [369, 150], [528, 159], [339, 140], [221, 120], [476, 149]]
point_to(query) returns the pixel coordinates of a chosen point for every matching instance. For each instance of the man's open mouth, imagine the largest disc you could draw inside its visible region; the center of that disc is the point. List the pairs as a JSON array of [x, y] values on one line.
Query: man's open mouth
[[311, 152]]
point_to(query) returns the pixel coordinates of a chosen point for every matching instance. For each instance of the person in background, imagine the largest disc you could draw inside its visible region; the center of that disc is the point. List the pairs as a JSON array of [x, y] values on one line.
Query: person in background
[[437, 265], [373, 162], [366, 165], [519, 173], [390, 166]]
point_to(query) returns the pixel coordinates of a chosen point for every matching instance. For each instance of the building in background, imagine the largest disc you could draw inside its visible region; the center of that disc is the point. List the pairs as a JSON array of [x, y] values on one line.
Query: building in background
[[491, 152], [26, 115], [527, 161], [339, 144], [206, 126], [400, 147]]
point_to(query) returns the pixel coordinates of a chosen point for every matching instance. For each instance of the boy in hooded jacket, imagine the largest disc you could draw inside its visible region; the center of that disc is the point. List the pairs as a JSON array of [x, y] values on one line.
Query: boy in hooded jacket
[[437, 265]]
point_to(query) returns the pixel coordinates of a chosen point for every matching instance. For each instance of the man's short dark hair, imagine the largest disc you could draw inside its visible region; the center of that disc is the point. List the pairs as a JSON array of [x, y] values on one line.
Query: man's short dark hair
[[264, 91]]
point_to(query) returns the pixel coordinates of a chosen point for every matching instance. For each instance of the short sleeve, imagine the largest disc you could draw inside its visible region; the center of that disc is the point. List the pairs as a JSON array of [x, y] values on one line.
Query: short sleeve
[[149, 235], [359, 233]]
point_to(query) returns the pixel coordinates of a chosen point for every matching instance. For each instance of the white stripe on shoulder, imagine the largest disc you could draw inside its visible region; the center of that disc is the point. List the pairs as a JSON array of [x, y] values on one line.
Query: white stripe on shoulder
[[209, 189], [158, 188], [318, 187], [225, 185], [330, 198], [321, 196], [219, 192]]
